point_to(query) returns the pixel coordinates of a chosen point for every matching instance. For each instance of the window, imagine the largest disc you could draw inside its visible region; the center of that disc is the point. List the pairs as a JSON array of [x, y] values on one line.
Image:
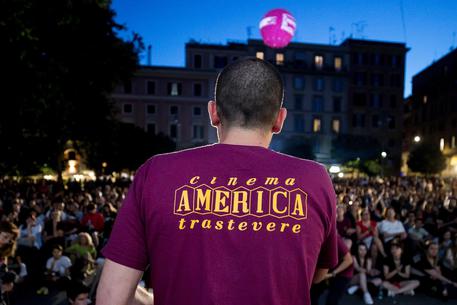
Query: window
[[318, 62], [336, 125], [173, 110], [150, 87], [317, 124], [197, 61], [337, 103], [338, 84], [128, 87], [298, 102], [358, 120], [173, 131], [376, 59], [391, 122], [300, 58], [127, 108], [150, 109], [338, 63], [377, 79], [279, 59], [453, 142], [376, 100], [299, 82], [151, 128], [259, 55], [197, 89], [393, 101], [318, 103], [299, 123], [220, 62], [198, 132], [197, 111], [318, 84], [425, 99], [375, 122], [360, 78], [360, 99], [395, 80], [174, 89]]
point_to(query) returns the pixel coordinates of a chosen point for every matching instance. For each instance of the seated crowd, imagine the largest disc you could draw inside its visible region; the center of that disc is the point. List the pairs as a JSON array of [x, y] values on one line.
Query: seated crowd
[[400, 234]]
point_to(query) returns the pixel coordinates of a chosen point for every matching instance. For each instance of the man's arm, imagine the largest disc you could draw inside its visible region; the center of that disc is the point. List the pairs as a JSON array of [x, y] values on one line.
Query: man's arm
[[319, 275], [118, 286]]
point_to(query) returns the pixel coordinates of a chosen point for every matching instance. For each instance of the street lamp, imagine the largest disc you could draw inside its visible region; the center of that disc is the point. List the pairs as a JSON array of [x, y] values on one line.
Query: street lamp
[[384, 156], [417, 139]]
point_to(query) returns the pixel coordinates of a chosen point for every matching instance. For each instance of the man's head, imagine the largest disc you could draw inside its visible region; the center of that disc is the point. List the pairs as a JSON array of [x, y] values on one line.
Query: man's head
[[78, 293], [249, 95], [7, 281], [57, 251]]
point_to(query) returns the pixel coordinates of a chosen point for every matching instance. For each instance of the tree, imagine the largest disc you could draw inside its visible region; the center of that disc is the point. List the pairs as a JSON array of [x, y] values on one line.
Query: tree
[[426, 158], [350, 147], [127, 146], [62, 59], [298, 147]]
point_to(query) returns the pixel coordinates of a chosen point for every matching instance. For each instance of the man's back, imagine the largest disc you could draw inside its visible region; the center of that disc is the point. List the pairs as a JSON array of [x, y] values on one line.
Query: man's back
[[227, 224]]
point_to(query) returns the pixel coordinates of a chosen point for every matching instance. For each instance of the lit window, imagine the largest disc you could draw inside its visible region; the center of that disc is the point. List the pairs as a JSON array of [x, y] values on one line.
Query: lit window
[[259, 55], [319, 61], [279, 59], [453, 142], [442, 144], [316, 125], [338, 63], [174, 89], [425, 99], [336, 124]]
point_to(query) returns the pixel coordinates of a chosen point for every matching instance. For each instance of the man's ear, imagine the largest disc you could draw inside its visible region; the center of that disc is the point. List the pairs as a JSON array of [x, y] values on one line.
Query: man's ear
[[279, 122], [213, 115]]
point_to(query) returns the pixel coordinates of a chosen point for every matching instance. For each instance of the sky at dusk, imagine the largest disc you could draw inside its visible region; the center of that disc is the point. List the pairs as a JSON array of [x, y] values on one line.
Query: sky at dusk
[[426, 26]]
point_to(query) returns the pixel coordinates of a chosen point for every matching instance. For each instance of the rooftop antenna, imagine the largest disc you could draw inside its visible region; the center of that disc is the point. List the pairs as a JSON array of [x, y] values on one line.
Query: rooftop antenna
[[402, 13], [249, 31], [359, 27], [331, 36], [149, 54], [343, 36]]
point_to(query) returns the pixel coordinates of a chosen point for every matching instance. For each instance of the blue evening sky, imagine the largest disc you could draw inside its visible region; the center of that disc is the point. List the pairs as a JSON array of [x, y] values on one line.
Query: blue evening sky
[[167, 25]]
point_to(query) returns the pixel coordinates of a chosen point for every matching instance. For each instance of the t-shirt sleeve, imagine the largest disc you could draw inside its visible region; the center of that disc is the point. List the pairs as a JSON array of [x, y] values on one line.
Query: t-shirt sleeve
[[127, 242], [328, 256]]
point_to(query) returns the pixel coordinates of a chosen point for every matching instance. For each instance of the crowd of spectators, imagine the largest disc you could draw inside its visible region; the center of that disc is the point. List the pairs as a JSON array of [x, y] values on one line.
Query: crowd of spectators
[[401, 233]]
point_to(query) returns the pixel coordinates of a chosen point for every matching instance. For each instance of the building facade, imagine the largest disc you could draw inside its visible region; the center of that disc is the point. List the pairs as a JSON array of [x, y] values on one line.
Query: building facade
[[330, 90], [432, 109]]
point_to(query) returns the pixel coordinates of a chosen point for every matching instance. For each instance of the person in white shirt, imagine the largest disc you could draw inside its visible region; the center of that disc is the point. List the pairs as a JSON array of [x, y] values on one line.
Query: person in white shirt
[[390, 227], [57, 269]]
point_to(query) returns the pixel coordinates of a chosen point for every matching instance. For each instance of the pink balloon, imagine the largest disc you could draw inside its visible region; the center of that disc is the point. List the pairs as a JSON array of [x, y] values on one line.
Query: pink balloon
[[277, 28]]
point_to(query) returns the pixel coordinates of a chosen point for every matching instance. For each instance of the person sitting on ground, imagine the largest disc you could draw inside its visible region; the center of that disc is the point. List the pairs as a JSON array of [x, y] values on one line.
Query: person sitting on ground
[[57, 270], [367, 232], [82, 246], [363, 272], [397, 273], [92, 220], [390, 227], [433, 281], [7, 284], [77, 293]]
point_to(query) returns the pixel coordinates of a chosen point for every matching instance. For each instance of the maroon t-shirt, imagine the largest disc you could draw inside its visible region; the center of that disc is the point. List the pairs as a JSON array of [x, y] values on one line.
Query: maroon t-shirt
[[342, 251], [228, 225]]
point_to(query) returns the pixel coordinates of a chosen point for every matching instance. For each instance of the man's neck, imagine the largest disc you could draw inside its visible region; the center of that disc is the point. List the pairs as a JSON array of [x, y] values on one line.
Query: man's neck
[[241, 136]]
